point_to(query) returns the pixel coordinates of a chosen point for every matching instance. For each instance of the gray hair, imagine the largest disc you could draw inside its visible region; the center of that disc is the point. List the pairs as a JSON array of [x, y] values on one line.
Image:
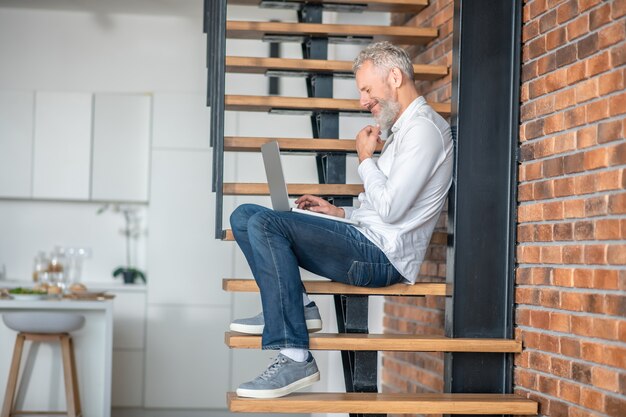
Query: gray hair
[[385, 56]]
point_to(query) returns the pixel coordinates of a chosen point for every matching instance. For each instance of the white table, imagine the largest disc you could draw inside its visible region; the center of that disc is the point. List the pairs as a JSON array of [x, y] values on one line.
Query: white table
[[42, 382]]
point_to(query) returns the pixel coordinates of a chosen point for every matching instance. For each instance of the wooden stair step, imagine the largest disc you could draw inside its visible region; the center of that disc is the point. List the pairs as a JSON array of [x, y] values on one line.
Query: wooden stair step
[[387, 342], [252, 65], [253, 144], [406, 35], [331, 287], [373, 403], [393, 6], [294, 189], [438, 238], [268, 103]]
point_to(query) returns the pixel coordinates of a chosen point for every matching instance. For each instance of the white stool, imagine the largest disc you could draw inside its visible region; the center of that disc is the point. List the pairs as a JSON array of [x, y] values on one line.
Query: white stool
[[44, 327]]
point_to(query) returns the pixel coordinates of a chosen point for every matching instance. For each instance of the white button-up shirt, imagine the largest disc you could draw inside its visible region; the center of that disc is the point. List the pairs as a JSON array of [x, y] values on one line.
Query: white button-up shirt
[[406, 188]]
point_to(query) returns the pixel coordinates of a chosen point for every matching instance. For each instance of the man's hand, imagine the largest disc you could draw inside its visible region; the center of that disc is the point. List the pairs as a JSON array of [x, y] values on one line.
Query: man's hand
[[319, 205], [366, 141]]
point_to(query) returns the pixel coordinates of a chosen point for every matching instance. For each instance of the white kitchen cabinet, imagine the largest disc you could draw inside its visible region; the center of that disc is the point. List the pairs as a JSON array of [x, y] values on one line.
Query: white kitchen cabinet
[[127, 386], [129, 317], [187, 363], [121, 147], [16, 143], [181, 121], [62, 150], [186, 262]]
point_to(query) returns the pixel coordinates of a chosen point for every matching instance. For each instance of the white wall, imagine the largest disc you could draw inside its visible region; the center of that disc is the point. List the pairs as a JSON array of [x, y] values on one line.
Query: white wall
[[90, 46]]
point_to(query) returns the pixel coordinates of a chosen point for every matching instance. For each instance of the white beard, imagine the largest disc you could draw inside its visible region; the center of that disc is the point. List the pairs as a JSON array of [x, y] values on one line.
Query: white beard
[[389, 111]]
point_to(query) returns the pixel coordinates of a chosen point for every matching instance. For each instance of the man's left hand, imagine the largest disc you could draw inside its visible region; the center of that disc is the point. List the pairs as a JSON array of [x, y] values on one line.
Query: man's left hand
[[319, 205]]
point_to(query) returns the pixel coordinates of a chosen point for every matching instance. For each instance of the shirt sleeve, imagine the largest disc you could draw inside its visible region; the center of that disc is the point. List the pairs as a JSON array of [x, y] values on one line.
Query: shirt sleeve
[[418, 154]]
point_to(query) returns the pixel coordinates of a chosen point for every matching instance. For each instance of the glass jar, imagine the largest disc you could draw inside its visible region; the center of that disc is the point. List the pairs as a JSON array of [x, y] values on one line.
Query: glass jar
[[40, 265], [57, 262]]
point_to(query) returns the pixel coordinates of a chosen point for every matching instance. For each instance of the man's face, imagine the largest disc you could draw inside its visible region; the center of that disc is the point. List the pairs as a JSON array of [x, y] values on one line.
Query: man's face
[[376, 95]]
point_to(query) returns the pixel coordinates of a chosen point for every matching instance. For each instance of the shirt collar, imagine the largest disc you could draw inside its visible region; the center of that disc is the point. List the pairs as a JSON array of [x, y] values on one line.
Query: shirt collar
[[406, 114]]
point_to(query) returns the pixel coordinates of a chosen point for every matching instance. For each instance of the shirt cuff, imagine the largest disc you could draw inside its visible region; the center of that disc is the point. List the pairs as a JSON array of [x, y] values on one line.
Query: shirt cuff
[[366, 167], [348, 212]]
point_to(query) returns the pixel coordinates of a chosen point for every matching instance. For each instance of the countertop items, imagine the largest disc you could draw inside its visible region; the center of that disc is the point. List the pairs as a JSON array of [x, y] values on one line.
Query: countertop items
[[93, 345]]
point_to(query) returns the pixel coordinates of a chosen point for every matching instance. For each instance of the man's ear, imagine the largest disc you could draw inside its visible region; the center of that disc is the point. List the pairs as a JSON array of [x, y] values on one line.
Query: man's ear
[[395, 77]]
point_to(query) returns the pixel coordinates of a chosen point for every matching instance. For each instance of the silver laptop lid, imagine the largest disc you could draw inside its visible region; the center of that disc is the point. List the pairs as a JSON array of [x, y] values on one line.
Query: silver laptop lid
[[275, 177]]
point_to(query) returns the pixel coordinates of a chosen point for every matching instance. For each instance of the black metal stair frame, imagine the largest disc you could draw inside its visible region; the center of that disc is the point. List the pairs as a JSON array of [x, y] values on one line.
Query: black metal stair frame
[[215, 26]]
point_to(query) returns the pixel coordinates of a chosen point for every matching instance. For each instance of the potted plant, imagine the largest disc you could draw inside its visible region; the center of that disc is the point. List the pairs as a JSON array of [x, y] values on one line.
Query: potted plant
[[132, 230]]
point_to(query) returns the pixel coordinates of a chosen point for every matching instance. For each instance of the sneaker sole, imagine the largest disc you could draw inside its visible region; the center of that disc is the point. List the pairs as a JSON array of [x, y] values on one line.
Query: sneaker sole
[[279, 392], [313, 325]]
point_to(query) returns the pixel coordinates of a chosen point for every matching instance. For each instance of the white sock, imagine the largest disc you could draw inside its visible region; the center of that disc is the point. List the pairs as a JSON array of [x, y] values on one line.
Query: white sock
[[305, 299], [298, 355]]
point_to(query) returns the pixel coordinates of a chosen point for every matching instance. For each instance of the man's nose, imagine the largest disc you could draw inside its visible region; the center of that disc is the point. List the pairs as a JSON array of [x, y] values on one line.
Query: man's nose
[[364, 101]]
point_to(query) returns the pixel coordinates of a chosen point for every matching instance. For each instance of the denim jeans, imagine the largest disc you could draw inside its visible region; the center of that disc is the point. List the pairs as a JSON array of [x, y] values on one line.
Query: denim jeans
[[276, 243]]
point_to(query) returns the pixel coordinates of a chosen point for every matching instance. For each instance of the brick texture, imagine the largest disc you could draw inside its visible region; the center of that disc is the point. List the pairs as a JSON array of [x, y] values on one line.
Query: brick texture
[[571, 235], [418, 372], [571, 277]]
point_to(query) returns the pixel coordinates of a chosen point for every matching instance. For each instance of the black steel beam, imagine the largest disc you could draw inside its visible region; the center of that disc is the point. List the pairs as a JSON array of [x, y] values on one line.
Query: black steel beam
[[482, 211]]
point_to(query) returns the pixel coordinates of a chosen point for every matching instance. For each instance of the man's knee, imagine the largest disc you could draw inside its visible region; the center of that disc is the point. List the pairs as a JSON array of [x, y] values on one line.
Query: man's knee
[[262, 221], [241, 215]]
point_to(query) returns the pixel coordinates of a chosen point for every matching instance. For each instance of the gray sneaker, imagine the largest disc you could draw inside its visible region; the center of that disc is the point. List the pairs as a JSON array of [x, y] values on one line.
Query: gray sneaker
[[282, 377], [254, 325]]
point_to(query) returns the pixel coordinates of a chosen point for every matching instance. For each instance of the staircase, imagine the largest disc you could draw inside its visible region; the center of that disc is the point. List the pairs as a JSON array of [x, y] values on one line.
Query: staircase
[[359, 348]]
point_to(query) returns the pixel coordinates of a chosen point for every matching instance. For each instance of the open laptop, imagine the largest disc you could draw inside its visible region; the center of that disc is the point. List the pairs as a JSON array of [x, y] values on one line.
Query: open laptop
[[278, 187]]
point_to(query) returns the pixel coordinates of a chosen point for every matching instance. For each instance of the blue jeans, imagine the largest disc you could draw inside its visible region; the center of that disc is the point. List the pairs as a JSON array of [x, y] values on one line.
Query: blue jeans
[[276, 243]]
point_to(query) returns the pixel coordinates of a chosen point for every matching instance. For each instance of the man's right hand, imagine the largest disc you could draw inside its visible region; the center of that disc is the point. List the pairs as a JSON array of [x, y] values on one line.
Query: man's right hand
[[366, 142], [319, 205]]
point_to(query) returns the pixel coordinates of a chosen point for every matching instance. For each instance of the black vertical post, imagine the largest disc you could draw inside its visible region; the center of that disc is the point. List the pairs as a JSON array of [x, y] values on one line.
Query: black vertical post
[[359, 367], [274, 82], [217, 107], [482, 212]]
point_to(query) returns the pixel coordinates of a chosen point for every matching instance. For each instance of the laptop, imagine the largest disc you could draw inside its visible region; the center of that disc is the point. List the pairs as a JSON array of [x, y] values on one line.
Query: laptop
[[278, 187]]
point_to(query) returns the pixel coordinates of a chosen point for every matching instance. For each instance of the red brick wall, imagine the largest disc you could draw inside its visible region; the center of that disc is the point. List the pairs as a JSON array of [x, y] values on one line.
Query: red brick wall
[[571, 272], [571, 276], [423, 371]]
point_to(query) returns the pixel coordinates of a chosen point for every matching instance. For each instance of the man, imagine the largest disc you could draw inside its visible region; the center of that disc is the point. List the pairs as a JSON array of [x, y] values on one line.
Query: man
[[405, 191]]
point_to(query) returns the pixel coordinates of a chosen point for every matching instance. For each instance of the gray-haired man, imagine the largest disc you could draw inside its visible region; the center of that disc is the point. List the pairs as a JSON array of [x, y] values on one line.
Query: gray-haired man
[[405, 190]]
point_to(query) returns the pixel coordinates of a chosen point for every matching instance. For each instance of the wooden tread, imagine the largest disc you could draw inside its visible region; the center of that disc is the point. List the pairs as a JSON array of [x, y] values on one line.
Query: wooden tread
[[331, 287], [387, 343], [251, 65], [394, 6], [372, 403], [294, 189], [438, 238], [251, 144], [406, 35], [267, 103]]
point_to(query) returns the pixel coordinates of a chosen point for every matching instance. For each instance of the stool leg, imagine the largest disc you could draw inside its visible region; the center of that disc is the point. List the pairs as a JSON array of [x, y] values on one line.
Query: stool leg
[[79, 410], [7, 407], [70, 390]]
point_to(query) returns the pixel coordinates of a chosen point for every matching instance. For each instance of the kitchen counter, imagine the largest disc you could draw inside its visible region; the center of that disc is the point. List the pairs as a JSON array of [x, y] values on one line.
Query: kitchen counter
[[116, 286], [41, 387]]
